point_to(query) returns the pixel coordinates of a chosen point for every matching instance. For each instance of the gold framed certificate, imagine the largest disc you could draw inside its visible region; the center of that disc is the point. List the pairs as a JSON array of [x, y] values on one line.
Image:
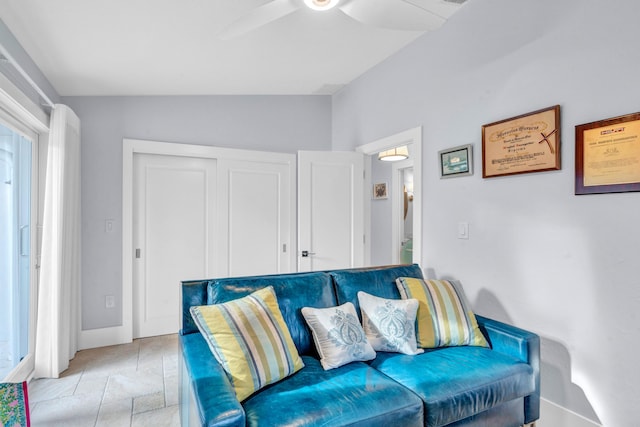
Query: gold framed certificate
[[522, 144], [608, 155]]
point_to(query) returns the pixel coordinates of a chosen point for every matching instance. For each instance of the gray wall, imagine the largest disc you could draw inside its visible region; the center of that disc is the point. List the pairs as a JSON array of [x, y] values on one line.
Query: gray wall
[[381, 210], [538, 256], [265, 123]]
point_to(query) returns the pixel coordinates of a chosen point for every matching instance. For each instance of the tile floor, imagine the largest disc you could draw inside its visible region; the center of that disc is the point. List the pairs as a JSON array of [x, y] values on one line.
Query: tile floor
[[124, 385]]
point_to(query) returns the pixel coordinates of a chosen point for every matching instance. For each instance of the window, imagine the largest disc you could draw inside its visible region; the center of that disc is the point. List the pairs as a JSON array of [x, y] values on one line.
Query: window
[[18, 229]]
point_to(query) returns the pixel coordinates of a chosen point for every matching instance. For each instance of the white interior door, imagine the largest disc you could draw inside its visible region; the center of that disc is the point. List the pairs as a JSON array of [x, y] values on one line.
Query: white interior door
[[256, 212], [174, 220], [330, 210]]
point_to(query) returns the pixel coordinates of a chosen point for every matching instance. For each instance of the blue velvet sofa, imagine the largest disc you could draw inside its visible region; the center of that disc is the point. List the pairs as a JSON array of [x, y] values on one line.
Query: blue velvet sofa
[[451, 386]]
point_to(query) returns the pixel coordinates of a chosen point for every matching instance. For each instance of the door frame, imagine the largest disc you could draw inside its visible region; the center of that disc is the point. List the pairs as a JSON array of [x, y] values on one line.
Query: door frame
[[29, 119], [411, 136], [124, 333]]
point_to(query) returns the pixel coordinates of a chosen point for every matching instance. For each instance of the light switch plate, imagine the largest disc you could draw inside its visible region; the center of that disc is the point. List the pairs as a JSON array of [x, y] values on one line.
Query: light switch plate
[[110, 301], [463, 230]]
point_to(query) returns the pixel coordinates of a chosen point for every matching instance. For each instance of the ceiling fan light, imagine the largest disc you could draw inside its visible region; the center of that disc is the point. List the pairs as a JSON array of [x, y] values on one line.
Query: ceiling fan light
[[395, 154], [321, 4]]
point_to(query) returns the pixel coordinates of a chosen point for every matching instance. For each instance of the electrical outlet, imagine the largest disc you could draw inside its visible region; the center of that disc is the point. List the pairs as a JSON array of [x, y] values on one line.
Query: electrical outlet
[[109, 301]]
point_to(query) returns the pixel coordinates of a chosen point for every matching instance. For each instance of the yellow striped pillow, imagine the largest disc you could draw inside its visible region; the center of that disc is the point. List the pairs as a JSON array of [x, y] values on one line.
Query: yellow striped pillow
[[444, 316], [250, 339]]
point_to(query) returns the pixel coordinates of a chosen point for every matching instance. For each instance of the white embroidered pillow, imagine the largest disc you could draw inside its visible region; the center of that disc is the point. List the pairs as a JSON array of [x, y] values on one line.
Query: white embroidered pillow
[[338, 335], [390, 325]]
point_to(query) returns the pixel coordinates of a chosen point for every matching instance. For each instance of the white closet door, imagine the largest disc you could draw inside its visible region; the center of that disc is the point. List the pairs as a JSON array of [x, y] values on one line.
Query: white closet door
[[256, 214], [174, 222]]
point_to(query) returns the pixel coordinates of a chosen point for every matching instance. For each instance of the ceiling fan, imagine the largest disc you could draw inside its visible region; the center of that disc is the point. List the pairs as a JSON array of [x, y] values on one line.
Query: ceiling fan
[[408, 15]]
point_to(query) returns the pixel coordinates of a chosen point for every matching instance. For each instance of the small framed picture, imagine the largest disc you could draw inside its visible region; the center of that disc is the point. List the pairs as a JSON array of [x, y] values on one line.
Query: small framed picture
[[456, 161], [380, 190]]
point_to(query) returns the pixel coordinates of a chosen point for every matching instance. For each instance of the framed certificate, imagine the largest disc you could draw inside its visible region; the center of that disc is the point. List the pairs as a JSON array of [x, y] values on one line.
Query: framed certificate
[[522, 144], [608, 155]]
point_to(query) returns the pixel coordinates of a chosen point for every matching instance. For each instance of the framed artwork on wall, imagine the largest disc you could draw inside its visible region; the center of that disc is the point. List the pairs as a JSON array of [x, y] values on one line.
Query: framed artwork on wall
[[522, 144], [608, 155], [456, 161], [380, 190]]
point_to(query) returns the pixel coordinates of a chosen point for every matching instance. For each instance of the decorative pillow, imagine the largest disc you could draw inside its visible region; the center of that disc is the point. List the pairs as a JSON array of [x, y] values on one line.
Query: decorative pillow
[[444, 316], [389, 324], [338, 335], [250, 339]]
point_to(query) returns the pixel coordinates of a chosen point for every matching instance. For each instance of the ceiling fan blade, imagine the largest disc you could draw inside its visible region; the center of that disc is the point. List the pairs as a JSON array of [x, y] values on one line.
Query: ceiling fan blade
[[393, 14], [258, 17]]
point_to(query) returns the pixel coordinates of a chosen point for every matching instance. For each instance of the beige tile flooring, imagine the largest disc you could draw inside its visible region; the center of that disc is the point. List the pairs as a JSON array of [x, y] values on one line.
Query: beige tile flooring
[[124, 385]]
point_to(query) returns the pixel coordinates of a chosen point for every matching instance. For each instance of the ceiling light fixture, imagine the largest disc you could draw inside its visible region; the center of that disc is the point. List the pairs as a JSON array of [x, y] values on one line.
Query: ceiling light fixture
[[321, 4], [394, 154]]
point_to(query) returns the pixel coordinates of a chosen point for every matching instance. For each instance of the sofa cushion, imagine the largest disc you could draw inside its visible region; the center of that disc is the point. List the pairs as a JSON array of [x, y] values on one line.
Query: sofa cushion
[[352, 395], [389, 324], [444, 315], [378, 281], [294, 291], [338, 335], [457, 382], [250, 340]]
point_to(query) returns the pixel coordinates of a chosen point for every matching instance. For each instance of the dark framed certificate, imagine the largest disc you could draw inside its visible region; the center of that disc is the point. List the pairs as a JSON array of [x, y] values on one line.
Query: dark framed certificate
[[608, 155], [522, 144]]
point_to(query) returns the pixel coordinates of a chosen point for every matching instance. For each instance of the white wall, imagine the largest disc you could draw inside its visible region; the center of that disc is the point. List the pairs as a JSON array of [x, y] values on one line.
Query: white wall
[[266, 123], [538, 256]]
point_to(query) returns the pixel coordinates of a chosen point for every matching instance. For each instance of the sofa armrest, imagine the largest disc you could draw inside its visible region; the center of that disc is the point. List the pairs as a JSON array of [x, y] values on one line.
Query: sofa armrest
[[521, 344], [206, 395]]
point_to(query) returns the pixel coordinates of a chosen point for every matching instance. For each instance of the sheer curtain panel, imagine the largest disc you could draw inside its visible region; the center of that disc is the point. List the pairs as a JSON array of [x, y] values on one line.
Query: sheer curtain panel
[[58, 321]]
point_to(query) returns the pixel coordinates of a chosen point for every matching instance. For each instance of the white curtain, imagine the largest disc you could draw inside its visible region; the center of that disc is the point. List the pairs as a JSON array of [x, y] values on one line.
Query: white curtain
[[58, 321]]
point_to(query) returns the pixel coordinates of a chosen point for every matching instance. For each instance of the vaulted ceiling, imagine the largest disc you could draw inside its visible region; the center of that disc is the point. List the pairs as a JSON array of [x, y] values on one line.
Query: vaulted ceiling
[[183, 47]]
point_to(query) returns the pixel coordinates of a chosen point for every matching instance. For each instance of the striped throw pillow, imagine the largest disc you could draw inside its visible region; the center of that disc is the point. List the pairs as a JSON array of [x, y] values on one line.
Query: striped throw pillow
[[250, 339], [444, 317]]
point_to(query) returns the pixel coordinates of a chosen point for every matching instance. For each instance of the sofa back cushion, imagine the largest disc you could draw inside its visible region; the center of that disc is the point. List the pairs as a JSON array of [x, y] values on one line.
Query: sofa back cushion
[[194, 292], [293, 291], [376, 281]]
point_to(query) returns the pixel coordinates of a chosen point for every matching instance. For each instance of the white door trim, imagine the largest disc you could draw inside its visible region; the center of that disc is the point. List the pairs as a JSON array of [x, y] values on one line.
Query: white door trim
[[124, 333], [411, 136]]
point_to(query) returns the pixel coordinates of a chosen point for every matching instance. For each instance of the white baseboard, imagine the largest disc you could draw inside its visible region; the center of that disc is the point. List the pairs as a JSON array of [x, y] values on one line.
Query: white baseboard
[[553, 415], [104, 337]]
